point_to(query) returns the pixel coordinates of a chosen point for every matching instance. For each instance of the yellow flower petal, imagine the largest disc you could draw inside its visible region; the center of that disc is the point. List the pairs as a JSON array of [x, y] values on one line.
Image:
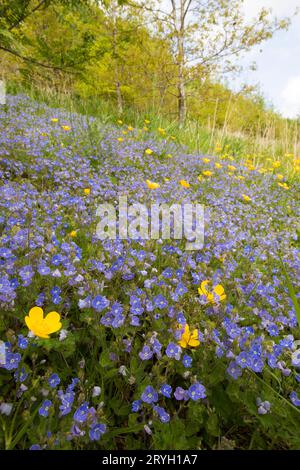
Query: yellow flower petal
[[194, 343], [36, 314], [219, 290], [188, 338], [41, 334], [52, 322], [184, 183], [182, 343], [202, 290], [28, 323], [194, 334], [152, 184]]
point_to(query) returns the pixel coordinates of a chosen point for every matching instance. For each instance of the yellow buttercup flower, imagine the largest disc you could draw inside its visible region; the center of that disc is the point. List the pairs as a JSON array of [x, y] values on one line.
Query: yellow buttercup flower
[[184, 183], [217, 293], [87, 191], [283, 185], [66, 128], [231, 167], [169, 155], [73, 234], [251, 167], [120, 139], [146, 121], [119, 121], [54, 120], [130, 128], [246, 198], [152, 185], [40, 326], [148, 151], [280, 177], [206, 160], [218, 165], [276, 164], [207, 173], [189, 338]]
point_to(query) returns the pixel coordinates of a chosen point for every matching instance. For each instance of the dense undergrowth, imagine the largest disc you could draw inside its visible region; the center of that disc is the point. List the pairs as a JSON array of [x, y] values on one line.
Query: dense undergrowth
[[143, 358]]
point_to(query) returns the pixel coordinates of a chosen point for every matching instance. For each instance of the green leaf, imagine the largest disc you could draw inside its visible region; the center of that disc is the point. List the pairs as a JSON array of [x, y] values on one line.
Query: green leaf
[[105, 359], [292, 291], [212, 425]]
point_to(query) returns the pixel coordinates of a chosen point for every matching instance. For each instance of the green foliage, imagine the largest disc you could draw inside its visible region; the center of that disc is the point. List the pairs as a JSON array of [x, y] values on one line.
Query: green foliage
[[107, 57]]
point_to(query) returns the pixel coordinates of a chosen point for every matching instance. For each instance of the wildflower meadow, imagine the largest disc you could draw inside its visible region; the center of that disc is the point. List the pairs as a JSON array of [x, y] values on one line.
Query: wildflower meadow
[[122, 343]]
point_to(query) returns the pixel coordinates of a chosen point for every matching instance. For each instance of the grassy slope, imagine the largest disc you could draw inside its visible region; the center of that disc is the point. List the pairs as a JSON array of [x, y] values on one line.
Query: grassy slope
[[45, 170]]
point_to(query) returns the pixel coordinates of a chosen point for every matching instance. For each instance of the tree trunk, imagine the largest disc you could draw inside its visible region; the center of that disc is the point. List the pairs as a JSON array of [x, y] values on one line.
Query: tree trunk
[[181, 98], [119, 95], [116, 67]]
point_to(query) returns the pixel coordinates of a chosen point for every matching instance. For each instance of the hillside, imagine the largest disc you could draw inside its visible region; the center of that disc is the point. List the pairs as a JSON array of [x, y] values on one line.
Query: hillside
[[151, 345]]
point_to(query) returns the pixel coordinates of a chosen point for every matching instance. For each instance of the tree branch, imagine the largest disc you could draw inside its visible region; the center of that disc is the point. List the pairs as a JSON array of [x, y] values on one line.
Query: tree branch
[[25, 16], [33, 61]]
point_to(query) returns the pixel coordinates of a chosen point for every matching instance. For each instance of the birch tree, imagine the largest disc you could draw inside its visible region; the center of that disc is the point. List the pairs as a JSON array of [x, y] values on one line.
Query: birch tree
[[208, 36]]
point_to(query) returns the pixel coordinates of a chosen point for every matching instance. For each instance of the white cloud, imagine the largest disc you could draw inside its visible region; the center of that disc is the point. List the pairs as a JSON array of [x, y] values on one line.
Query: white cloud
[[291, 98], [278, 70]]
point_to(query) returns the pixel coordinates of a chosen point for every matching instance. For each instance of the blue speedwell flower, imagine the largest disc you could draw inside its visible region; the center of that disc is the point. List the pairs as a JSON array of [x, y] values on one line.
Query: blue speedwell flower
[[146, 353], [44, 409], [181, 394], [149, 395], [53, 380], [187, 360], [21, 375], [96, 431], [163, 415], [67, 400], [99, 303], [160, 302], [166, 390], [197, 391], [173, 350], [35, 447], [295, 399], [136, 405], [81, 413], [22, 342], [263, 406], [12, 361]]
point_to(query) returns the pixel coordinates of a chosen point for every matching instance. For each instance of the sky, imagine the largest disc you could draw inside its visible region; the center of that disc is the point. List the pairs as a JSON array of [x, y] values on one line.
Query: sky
[[278, 65], [277, 60]]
